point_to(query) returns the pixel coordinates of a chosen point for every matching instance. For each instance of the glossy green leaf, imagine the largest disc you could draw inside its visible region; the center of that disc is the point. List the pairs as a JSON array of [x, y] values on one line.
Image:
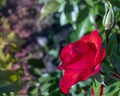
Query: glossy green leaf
[[116, 62], [82, 15], [112, 45]]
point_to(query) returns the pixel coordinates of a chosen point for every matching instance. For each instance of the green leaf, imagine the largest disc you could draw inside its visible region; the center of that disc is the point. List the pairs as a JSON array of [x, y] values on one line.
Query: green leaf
[[14, 38], [96, 87], [82, 15], [68, 8], [85, 83], [116, 62], [14, 47], [82, 28], [71, 12], [7, 77], [53, 52], [49, 8], [112, 89], [63, 19], [45, 87], [112, 45], [35, 71], [12, 87], [83, 25], [92, 13], [36, 63], [107, 67], [45, 78], [90, 2], [33, 91], [115, 3]]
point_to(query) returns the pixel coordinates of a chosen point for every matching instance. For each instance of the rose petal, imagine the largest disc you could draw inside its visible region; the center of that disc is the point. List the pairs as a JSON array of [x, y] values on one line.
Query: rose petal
[[96, 70], [102, 54], [82, 61], [70, 78], [98, 61], [94, 38], [72, 52], [65, 54]]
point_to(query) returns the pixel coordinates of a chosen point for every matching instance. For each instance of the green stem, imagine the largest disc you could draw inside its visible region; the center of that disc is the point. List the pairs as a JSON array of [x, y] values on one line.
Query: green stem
[[107, 32]]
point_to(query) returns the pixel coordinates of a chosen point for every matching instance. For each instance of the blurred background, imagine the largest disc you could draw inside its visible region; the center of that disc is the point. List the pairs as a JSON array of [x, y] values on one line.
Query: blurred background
[[32, 34]]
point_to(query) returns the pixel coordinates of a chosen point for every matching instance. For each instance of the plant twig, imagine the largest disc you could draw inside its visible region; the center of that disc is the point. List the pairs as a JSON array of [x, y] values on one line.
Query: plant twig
[[107, 32]]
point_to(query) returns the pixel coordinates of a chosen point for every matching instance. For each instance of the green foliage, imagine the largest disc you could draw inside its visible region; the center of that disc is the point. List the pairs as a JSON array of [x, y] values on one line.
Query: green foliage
[[112, 88], [9, 82], [46, 85], [35, 63], [2, 3], [9, 43], [115, 3], [84, 16], [49, 8]]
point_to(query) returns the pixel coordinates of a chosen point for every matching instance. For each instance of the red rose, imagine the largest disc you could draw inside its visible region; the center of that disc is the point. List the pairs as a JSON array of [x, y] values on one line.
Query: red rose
[[81, 59]]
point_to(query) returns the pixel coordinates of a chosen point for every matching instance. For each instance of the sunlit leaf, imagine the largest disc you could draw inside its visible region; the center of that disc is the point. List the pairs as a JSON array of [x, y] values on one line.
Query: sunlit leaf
[[49, 8], [7, 77]]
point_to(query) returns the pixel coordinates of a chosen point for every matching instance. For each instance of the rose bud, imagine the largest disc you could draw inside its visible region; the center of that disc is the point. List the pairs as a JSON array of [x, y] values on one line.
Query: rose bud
[[108, 19]]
